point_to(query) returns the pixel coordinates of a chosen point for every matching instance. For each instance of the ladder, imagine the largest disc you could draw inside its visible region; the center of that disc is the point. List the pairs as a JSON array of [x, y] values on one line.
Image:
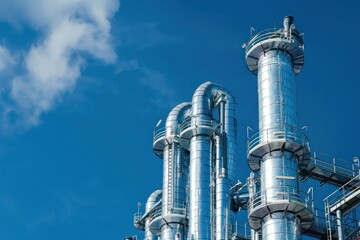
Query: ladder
[[328, 220], [170, 176]]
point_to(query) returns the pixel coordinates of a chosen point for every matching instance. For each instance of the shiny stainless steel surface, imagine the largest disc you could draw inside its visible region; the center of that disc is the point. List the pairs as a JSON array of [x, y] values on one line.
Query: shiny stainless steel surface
[[222, 191], [199, 209], [205, 99], [281, 226], [151, 201], [276, 91], [175, 172], [277, 208], [200, 193], [339, 224]]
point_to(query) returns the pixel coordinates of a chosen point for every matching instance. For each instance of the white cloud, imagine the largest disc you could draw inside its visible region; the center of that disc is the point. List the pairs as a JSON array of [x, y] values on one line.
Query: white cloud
[[69, 29], [5, 58], [152, 79], [125, 66]]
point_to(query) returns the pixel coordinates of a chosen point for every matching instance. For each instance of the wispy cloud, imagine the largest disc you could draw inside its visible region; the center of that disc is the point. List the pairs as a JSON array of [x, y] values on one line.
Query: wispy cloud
[[153, 80], [70, 30], [6, 60]]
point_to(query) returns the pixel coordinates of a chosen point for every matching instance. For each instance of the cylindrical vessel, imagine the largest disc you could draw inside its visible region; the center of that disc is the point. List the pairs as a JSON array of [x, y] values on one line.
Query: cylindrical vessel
[[276, 56], [277, 94], [277, 115], [281, 226]]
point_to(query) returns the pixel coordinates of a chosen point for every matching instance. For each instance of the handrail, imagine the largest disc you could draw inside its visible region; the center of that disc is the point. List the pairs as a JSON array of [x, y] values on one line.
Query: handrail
[[337, 165], [137, 216], [273, 33], [161, 132], [195, 122], [319, 220], [283, 193], [242, 229], [277, 133], [332, 200], [179, 209]]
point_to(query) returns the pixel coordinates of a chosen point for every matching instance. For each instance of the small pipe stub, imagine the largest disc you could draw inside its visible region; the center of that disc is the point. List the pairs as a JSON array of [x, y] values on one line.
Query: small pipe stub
[[288, 21]]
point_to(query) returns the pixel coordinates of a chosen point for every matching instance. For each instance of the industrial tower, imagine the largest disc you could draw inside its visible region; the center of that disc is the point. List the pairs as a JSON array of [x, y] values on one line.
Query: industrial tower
[[280, 148], [200, 194]]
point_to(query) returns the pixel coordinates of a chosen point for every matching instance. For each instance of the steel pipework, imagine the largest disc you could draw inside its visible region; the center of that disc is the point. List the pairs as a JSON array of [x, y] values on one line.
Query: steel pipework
[[175, 174], [206, 98], [276, 57], [151, 201]]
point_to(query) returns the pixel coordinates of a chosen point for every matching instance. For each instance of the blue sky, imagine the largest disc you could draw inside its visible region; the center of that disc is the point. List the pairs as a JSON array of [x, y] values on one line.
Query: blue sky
[[83, 84]]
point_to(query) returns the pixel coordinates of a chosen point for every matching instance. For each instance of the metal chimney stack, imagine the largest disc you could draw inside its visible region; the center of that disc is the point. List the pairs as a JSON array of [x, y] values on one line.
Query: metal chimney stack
[[278, 210]]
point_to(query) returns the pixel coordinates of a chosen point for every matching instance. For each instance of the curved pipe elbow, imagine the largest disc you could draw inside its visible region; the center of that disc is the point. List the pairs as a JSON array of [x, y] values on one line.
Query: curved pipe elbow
[[152, 199], [177, 116], [205, 95]]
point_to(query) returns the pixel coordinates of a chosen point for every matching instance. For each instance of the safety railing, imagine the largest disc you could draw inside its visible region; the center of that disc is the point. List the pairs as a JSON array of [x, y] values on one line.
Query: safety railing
[[334, 164], [138, 221], [350, 225], [242, 230], [343, 192], [137, 217], [161, 132], [319, 218], [158, 211], [277, 193], [195, 122], [275, 134], [273, 34]]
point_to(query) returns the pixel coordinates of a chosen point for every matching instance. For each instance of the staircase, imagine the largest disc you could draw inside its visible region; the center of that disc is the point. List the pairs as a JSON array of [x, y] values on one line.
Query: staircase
[[338, 207]]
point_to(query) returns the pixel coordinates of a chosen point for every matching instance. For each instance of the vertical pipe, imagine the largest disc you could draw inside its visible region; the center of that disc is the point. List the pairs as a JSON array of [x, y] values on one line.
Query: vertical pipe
[[339, 224], [200, 217], [252, 189], [203, 103], [222, 189]]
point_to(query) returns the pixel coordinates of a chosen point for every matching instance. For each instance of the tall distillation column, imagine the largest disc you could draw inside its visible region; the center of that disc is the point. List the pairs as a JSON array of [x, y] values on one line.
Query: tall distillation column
[[279, 149], [172, 222]]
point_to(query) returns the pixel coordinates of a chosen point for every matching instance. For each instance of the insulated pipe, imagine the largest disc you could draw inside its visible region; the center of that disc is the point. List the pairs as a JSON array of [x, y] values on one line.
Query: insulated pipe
[[151, 201], [203, 105], [252, 189], [175, 174], [222, 192], [339, 224], [205, 98]]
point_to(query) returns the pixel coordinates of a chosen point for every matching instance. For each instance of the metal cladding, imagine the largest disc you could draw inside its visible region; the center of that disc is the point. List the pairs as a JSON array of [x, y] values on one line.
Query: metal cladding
[[278, 209], [175, 174], [201, 194], [150, 203], [198, 146], [205, 99]]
